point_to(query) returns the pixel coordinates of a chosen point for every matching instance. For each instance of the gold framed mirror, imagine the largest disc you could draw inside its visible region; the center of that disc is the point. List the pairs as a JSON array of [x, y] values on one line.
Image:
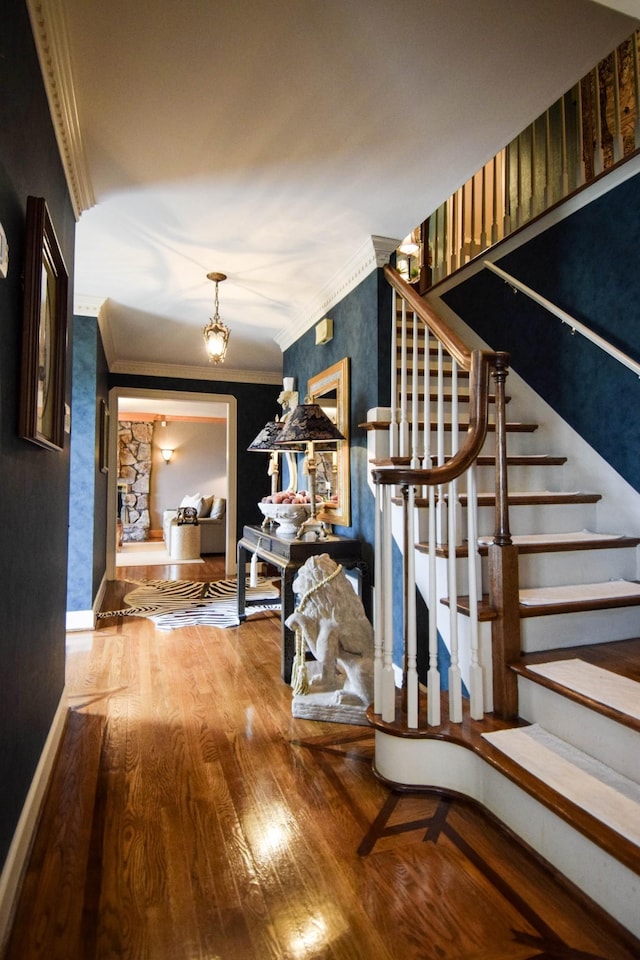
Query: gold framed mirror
[[330, 389]]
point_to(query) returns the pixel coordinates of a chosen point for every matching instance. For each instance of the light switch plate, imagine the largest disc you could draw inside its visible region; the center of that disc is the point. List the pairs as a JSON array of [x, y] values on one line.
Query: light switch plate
[[4, 253]]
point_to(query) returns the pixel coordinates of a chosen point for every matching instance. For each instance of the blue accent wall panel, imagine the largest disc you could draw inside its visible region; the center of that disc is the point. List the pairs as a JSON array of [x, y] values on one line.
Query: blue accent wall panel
[[586, 265], [35, 481]]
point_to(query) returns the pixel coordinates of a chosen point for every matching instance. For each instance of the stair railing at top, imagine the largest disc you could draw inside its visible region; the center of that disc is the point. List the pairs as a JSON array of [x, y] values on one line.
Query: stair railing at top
[[593, 127], [419, 463]]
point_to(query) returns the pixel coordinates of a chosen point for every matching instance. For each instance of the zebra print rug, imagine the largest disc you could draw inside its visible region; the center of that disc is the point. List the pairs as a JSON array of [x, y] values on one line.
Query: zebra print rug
[[183, 603]]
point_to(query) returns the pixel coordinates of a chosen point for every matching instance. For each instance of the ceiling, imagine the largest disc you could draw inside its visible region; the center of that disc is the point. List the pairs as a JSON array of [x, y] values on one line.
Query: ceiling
[[271, 140]]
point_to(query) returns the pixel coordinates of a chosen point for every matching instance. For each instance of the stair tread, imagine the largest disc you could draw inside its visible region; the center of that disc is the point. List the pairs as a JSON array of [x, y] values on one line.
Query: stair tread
[[586, 682], [574, 540], [577, 593], [570, 598], [548, 543], [510, 427], [605, 794], [523, 497]]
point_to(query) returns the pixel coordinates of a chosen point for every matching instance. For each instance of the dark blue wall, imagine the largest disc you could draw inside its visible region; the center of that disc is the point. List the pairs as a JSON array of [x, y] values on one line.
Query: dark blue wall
[[87, 513], [588, 266], [35, 481], [361, 332], [256, 404]]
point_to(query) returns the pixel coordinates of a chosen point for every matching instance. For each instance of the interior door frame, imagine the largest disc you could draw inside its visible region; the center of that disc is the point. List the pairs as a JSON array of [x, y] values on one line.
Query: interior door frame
[[232, 464]]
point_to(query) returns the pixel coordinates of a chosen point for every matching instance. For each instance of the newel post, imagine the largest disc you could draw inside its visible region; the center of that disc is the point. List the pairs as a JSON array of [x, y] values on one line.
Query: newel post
[[503, 567]]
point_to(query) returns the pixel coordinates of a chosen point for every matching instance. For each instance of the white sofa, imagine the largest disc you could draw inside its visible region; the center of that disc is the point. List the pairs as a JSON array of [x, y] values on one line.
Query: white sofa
[[211, 520]]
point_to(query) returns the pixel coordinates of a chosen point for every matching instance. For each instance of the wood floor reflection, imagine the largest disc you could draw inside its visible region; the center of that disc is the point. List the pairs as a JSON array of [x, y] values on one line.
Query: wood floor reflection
[[190, 816]]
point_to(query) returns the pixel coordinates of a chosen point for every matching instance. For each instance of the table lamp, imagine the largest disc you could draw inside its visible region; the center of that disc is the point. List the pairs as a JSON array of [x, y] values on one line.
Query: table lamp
[[308, 424]]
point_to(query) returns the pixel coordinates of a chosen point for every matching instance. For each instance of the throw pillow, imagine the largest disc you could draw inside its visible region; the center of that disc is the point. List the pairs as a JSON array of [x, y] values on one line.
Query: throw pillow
[[207, 503], [194, 501], [218, 508]]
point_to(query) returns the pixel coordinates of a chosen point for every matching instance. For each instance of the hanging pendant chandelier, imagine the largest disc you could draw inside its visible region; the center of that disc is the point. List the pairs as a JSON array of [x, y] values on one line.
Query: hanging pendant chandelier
[[216, 334]]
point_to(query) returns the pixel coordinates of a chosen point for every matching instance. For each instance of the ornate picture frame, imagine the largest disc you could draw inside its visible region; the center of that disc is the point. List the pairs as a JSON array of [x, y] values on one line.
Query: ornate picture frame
[[44, 335], [330, 388]]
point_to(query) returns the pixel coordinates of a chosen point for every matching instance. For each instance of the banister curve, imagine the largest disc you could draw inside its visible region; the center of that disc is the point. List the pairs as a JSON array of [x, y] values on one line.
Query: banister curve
[[480, 365]]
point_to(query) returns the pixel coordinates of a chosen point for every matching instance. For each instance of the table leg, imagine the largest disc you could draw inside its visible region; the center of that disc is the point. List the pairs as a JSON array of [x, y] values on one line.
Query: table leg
[[242, 582], [288, 642]]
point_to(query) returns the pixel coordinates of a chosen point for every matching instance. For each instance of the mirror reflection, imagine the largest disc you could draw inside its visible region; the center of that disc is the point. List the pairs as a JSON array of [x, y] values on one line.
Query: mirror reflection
[[330, 389]]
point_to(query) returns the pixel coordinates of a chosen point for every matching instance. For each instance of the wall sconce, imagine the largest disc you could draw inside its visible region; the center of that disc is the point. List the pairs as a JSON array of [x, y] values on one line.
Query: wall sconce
[[167, 454]]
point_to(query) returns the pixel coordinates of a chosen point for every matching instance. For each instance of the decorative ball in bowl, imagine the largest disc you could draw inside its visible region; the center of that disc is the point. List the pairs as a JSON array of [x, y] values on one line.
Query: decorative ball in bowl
[[287, 514]]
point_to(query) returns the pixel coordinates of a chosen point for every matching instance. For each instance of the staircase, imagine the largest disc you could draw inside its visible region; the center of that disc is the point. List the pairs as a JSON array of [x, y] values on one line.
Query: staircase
[[554, 748]]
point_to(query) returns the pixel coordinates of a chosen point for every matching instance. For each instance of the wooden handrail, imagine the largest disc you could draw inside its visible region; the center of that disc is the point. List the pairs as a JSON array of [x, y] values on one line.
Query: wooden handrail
[[436, 325]]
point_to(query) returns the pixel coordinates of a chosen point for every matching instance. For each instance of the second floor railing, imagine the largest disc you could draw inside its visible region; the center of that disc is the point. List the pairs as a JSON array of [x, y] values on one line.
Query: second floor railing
[[589, 130]]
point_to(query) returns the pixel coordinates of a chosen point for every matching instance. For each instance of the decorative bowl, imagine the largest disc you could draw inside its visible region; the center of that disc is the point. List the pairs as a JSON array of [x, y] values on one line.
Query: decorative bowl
[[288, 516]]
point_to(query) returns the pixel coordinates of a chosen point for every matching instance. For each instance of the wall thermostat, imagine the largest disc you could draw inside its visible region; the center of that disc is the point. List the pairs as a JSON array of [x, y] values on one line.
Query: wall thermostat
[[324, 331]]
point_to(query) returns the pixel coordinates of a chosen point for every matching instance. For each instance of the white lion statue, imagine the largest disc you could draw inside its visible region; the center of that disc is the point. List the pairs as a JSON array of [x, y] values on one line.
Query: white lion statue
[[331, 620]]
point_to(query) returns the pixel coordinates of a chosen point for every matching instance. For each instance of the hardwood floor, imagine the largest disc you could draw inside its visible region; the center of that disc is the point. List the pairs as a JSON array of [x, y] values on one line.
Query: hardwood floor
[[190, 816]]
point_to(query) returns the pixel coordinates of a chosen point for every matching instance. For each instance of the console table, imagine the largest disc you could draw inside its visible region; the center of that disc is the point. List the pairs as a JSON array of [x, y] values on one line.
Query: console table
[[288, 556]]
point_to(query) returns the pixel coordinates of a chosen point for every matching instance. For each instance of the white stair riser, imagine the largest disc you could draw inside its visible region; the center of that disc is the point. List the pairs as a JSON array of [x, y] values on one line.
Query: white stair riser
[[448, 766], [525, 519], [579, 566], [535, 477], [579, 629], [559, 569], [612, 743]]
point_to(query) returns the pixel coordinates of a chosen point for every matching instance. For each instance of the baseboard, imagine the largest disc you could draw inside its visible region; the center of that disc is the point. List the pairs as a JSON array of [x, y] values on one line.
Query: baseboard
[[18, 855], [79, 620]]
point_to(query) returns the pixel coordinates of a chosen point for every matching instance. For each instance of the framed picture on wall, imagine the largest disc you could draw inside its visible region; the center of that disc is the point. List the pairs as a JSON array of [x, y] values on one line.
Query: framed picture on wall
[[103, 427], [44, 335]]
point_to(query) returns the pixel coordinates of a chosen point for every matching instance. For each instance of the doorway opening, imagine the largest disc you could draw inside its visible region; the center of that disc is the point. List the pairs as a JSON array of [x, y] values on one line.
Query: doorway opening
[[124, 403]]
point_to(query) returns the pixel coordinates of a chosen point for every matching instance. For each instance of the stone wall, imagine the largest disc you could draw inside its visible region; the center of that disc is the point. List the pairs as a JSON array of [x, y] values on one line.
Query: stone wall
[[134, 467]]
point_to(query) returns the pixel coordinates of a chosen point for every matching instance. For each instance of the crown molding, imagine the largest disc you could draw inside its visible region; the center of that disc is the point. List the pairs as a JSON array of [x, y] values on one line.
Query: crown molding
[[141, 368], [50, 34], [374, 253]]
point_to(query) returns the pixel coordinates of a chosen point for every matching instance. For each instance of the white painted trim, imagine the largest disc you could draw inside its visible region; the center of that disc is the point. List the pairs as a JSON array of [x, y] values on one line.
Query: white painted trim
[[375, 252], [88, 306], [86, 619], [139, 368], [79, 620], [232, 465], [49, 28], [17, 857]]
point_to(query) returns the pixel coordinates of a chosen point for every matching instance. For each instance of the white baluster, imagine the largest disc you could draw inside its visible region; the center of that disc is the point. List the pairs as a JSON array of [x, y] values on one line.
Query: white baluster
[[455, 679], [393, 423], [410, 613], [454, 538], [415, 398], [379, 604], [388, 684], [476, 685], [404, 423], [455, 442], [441, 507], [433, 675]]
